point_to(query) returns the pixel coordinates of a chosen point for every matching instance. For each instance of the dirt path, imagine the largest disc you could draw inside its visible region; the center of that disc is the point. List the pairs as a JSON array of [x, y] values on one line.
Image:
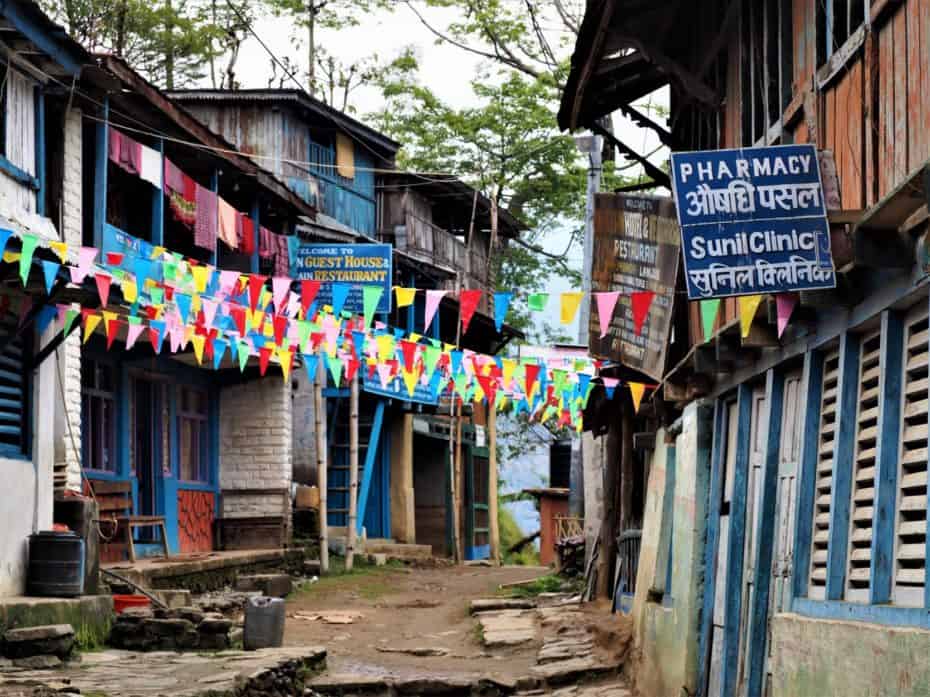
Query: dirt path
[[407, 609]]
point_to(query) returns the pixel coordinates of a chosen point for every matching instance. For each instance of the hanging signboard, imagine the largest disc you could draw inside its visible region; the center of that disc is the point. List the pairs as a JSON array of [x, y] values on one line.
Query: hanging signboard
[[636, 248], [753, 220], [396, 389], [355, 265]]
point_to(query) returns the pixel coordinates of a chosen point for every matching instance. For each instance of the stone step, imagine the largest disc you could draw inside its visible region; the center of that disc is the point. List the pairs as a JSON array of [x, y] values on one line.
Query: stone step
[[274, 585], [494, 604], [399, 551], [52, 639]]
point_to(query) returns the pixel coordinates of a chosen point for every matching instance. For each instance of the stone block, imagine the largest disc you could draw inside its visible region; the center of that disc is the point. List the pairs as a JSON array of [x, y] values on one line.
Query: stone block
[[378, 559], [273, 585], [213, 642], [174, 597], [494, 604], [212, 625], [37, 662], [54, 639], [191, 614], [166, 627]]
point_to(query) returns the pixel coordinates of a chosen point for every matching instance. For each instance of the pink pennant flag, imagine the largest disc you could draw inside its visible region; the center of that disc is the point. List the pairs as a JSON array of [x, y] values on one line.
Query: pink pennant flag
[[78, 274], [103, 288], [293, 304], [384, 374], [279, 290], [209, 311], [228, 281], [86, 257], [433, 298], [606, 302], [132, 333], [784, 308]]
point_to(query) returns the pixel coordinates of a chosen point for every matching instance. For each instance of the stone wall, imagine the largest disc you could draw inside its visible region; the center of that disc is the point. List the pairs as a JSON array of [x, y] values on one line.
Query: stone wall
[[304, 431], [830, 658], [68, 414], [666, 620], [256, 447]]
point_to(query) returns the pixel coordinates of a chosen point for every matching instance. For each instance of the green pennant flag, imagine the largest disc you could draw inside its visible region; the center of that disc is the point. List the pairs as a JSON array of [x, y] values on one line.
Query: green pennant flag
[[243, 355], [303, 335], [431, 356], [558, 379], [709, 309], [335, 368], [30, 242], [537, 301], [371, 296], [70, 316], [134, 320], [587, 394], [158, 295], [462, 388]]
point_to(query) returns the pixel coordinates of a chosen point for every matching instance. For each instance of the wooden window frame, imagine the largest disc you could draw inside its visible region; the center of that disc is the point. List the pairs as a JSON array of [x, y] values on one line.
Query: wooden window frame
[[766, 39], [25, 339], [89, 418], [202, 468]]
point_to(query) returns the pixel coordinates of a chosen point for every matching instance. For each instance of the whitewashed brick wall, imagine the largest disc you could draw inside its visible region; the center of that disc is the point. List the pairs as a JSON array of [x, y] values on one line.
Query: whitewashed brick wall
[[68, 413], [304, 441], [255, 446]]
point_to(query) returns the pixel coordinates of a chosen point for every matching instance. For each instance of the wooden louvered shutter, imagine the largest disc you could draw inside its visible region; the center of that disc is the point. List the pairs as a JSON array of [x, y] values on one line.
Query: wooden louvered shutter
[[911, 527], [14, 389], [863, 481], [824, 480]]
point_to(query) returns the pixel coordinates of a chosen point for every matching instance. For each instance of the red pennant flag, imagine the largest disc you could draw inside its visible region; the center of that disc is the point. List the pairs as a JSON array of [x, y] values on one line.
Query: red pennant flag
[[409, 352], [103, 288], [308, 291], [371, 370], [264, 354], [393, 365], [153, 338], [169, 293], [489, 387], [256, 284], [532, 372], [641, 300], [468, 303], [280, 327], [351, 368], [238, 315], [112, 331], [114, 258]]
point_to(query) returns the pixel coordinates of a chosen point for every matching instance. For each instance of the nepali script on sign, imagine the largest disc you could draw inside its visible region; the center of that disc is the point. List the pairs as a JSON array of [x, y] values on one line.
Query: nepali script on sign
[[752, 221]]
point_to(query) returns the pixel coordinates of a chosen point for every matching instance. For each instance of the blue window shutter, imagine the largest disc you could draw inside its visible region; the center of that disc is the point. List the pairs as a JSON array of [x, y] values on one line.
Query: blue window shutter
[[14, 390]]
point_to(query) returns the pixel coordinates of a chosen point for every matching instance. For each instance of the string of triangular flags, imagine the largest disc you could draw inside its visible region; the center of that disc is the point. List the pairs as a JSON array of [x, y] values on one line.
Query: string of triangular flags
[[187, 303], [748, 306]]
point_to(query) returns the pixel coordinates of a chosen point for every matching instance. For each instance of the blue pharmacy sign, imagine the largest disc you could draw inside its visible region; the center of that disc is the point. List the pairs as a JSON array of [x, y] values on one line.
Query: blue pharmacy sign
[[354, 265], [752, 221]]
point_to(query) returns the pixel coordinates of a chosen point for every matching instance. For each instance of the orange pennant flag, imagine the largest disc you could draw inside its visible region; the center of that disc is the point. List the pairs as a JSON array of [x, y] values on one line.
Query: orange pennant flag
[[636, 391]]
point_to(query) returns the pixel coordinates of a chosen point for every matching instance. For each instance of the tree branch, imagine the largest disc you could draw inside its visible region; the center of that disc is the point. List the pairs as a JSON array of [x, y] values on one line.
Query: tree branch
[[570, 22]]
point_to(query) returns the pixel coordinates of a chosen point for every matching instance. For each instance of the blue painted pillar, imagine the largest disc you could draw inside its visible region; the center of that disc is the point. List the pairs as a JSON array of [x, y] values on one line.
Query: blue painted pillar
[[256, 220], [807, 474], [765, 535], [887, 451], [215, 187], [101, 157], [158, 201], [736, 544], [40, 149], [171, 478], [843, 449]]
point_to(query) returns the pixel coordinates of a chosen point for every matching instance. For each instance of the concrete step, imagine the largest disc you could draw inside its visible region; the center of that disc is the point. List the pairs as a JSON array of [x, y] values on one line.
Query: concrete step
[[395, 550]]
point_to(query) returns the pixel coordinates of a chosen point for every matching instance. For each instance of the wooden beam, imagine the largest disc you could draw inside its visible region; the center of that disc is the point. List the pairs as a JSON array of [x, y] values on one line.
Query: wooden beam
[[322, 462], [657, 175], [640, 119]]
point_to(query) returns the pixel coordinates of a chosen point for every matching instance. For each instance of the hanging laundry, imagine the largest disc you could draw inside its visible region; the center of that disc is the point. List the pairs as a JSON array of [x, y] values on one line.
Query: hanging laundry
[[246, 230], [114, 145], [206, 227], [129, 155], [282, 262], [183, 201], [227, 223], [266, 243], [151, 169], [174, 178]]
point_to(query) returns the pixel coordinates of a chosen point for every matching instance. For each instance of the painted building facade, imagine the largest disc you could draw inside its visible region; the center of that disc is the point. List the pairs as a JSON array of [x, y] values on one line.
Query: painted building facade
[[785, 539]]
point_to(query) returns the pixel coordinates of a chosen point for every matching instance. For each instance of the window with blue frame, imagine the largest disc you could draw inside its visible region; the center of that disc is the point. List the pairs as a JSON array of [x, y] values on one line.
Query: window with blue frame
[[193, 434], [868, 545], [98, 416], [15, 387]]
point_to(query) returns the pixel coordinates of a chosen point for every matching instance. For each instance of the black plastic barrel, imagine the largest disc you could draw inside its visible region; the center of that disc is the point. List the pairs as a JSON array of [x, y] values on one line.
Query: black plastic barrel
[[264, 623], [56, 565]]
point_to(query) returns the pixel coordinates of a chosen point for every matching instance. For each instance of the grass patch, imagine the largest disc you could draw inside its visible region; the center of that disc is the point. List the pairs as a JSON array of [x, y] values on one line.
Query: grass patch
[[369, 581], [545, 584], [510, 534], [88, 638]]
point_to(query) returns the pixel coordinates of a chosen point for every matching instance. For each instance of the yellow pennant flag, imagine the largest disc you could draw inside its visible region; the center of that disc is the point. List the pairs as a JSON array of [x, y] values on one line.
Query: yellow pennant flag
[[285, 358], [130, 291], [410, 380], [11, 257], [90, 324], [748, 304], [188, 335], [415, 338], [157, 252], [201, 275], [570, 303], [636, 392], [405, 296], [509, 367], [198, 340], [61, 249], [195, 304], [385, 346], [256, 318]]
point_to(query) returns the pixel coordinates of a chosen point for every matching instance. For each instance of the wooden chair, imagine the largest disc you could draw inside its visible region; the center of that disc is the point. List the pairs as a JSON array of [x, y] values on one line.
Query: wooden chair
[[114, 500]]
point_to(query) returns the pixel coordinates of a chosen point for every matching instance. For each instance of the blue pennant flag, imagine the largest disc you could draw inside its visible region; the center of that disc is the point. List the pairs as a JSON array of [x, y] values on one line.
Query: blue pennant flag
[[159, 327], [501, 305], [50, 269], [358, 343], [456, 358], [340, 294], [219, 349], [45, 317], [310, 364], [183, 301]]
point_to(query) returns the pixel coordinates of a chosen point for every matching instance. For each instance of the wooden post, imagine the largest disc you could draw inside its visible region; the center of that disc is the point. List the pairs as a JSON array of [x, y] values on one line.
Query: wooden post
[[353, 472], [493, 528], [322, 462]]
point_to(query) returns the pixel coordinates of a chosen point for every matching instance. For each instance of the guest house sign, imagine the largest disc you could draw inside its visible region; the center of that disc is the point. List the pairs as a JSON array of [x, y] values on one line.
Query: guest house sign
[[753, 221]]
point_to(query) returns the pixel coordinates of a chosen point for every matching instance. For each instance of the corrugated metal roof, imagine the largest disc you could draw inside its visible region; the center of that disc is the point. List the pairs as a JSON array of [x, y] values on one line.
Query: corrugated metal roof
[[385, 146]]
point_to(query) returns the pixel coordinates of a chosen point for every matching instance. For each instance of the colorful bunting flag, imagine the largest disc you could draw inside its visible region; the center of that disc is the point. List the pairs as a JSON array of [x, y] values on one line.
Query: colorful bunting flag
[[340, 295], [538, 301], [468, 303], [748, 304], [405, 296], [501, 304], [636, 392], [784, 308], [371, 296], [433, 298], [709, 309], [606, 303], [641, 301]]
